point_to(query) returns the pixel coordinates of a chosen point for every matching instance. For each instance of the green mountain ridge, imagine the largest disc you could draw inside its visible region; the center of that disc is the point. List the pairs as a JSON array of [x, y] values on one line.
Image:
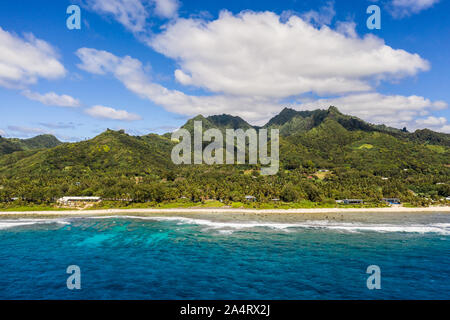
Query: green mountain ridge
[[11, 145], [360, 160]]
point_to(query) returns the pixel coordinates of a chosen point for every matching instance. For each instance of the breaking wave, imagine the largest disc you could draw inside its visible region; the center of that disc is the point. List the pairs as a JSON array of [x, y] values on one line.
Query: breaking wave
[[230, 226], [7, 224]]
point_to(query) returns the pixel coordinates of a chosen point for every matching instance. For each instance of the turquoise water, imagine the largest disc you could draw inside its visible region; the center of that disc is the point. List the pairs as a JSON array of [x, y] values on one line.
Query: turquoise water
[[187, 258]]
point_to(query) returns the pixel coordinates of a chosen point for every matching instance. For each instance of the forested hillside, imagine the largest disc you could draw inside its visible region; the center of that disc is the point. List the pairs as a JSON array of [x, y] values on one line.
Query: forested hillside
[[8, 146], [324, 155]]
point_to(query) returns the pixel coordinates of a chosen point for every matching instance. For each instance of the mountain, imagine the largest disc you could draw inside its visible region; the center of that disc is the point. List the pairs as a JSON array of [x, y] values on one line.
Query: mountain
[[324, 155], [44, 141], [221, 122], [291, 122], [112, 152], [431, 137]]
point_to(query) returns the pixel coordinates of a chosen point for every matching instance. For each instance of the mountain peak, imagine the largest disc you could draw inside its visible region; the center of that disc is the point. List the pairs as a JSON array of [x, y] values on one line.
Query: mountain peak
[[284, 116], [223, 121], [229, 122], [42, 141], [333, 109]]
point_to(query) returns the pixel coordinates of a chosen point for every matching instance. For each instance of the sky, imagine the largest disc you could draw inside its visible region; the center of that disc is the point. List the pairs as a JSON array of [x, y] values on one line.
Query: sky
[[149, 65]]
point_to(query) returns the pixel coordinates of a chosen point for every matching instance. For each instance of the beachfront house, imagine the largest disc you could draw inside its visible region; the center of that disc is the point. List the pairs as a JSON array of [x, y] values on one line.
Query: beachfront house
[[250, 198], [391, 200], [353, 201], [77, 200]]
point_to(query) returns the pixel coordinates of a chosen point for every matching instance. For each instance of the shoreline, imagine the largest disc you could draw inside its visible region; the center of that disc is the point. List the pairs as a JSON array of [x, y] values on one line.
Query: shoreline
[[444, 209]]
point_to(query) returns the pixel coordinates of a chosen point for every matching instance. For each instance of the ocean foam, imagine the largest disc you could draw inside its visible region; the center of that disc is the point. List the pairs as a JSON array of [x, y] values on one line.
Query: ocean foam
[[229, 227], [7, 224]]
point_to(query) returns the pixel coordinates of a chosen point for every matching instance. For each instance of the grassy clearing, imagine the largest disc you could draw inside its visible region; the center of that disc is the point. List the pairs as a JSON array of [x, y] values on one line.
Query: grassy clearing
[[365, 146]]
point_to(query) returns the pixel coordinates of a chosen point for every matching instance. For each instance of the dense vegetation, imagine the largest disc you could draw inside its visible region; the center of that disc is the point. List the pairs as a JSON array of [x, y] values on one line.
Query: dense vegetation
[[324, 156], [8, 146]]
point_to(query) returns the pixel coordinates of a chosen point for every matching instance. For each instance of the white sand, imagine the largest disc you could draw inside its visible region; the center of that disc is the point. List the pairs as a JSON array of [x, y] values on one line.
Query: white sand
[[319, 211]]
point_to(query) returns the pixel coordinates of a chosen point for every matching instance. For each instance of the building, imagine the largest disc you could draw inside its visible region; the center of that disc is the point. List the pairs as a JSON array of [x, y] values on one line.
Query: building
[[250, 198], [448, 198], [391, 200], [74, 200], [353, 201]]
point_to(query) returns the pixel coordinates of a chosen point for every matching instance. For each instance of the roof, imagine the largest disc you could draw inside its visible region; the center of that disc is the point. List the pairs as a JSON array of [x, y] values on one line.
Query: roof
[[78, 198]]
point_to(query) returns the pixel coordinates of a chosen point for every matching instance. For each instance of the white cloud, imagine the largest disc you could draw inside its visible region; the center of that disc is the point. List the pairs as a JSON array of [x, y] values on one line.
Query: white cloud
[[432, 121], [131, 73], [445, 129], [2, 132], [404, 8], [322, 17], [110, 113], [28, 131], [132, 14], [347, 28], [24, 60], [256, 54], [254, 72], [52, 99], [166, 8], [393, 110]]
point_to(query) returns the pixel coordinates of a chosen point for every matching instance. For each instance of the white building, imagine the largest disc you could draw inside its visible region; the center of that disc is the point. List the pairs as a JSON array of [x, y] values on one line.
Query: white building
[[67, 200]]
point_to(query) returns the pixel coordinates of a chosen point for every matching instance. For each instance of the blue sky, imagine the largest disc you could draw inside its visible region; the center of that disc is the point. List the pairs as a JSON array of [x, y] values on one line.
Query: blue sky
[[148, 65]]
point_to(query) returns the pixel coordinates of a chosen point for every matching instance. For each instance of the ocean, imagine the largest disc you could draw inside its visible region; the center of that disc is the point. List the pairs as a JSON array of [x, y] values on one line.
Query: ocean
[[210, 257]]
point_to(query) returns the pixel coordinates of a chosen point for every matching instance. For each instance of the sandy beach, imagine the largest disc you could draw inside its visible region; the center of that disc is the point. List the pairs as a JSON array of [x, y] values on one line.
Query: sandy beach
[[212, 211]]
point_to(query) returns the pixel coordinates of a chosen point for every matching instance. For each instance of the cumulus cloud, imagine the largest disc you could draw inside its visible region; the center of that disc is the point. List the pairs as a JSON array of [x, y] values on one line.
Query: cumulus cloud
[[404, 8], [24, 60], [271, 58], [322, 17], [2, 132], [445, 129], [130, 73], [111, 113], [393, 110], [253, 72], [52, 99], [133, 14], [166, 8], [434, 123]]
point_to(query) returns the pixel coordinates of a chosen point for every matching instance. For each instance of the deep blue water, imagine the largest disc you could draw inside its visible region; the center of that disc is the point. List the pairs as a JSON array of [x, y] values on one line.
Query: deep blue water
[[132, 258]]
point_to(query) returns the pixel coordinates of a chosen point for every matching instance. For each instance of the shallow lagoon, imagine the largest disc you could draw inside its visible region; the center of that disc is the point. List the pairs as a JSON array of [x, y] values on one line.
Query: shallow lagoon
[[235, 256]]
